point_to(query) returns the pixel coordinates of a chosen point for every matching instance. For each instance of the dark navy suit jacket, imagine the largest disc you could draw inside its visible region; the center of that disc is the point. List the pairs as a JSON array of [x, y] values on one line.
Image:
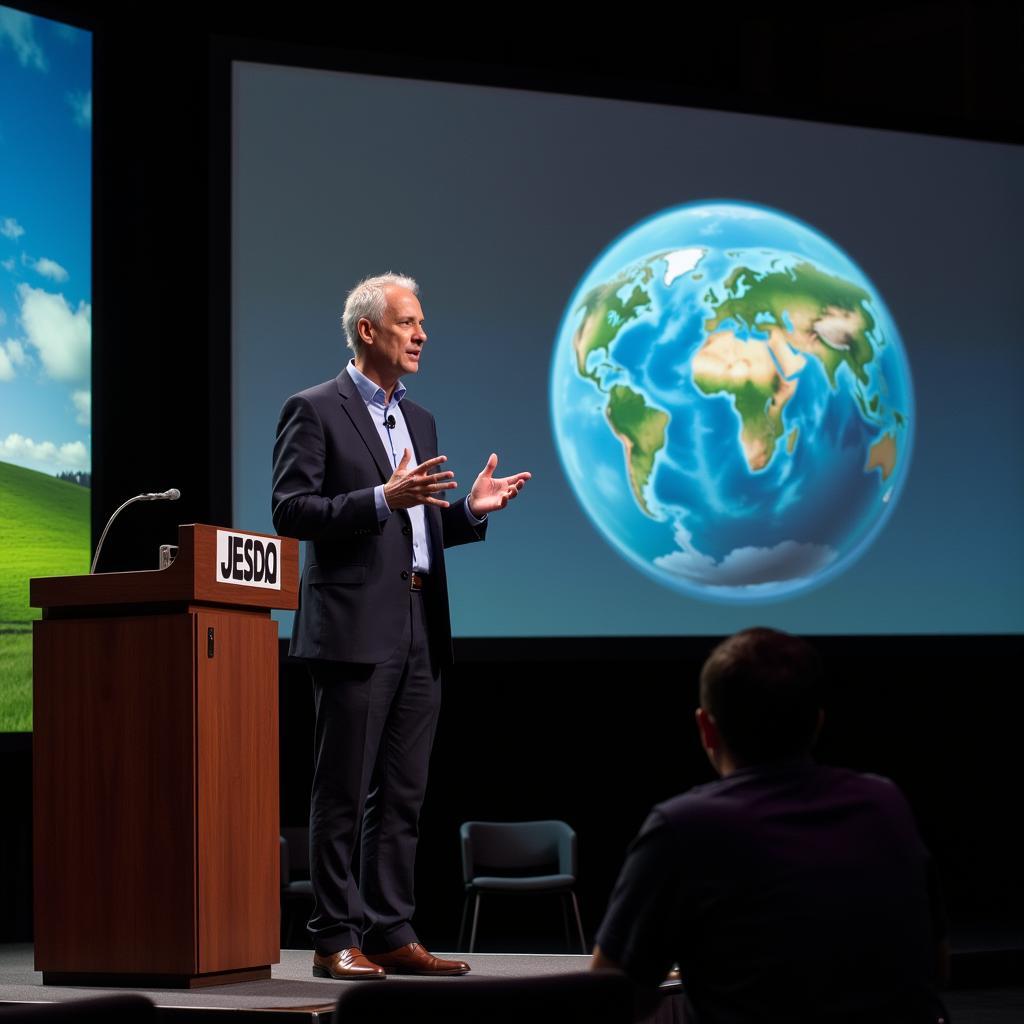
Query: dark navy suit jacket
[[354, 596]]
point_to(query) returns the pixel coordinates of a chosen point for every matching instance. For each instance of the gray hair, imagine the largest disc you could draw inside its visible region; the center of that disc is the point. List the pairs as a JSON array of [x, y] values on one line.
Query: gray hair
[[368, 300]]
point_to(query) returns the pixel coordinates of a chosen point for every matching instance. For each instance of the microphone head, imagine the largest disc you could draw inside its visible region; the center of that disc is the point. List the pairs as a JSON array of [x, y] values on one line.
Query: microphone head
[[173, 494]]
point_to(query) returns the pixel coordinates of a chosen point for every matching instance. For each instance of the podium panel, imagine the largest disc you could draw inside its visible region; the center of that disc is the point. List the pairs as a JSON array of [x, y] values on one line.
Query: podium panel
[[238, 859], [113, 750]]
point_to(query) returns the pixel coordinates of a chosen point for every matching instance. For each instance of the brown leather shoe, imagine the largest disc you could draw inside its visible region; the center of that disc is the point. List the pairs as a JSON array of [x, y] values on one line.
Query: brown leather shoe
[[346, 965], [414, 959]]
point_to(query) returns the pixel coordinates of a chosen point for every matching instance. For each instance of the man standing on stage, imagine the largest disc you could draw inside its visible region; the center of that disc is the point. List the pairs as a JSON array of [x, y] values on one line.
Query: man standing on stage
[[357, 476]]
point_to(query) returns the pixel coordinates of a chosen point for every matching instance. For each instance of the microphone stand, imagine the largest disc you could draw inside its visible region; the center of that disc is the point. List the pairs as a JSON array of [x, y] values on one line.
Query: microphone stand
[[172, 495]]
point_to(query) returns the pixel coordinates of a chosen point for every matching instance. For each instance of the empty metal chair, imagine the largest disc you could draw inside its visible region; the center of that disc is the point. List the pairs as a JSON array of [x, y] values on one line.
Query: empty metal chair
[[518, 857]]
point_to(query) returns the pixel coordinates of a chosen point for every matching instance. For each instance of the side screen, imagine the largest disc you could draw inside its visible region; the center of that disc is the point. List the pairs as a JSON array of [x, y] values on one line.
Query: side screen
[[45, 327]]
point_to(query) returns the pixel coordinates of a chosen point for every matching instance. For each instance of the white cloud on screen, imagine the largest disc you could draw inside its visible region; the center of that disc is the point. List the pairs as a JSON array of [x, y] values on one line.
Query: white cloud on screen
[[7, 264], [11, 229], [748, 567], [49, 268], [18, 449], [16, 30], [737, 211], [81, 106], [12, 356], [609, 483], [572, 458], [83, 407], [60, 334], [67, 32]]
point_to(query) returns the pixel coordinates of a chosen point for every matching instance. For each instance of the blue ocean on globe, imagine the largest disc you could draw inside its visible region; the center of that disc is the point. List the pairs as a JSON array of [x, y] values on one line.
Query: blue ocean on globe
[[731, 402]]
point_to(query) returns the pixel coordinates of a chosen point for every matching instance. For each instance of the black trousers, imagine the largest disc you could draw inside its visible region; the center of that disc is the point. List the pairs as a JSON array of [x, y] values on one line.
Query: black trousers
[[374, 731]]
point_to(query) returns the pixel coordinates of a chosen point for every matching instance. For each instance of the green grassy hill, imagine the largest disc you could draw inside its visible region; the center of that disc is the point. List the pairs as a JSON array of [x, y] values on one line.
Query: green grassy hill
[[44, 531]]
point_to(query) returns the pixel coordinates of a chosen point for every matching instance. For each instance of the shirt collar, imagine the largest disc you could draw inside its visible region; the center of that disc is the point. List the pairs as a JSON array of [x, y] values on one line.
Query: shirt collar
[[373, 394]]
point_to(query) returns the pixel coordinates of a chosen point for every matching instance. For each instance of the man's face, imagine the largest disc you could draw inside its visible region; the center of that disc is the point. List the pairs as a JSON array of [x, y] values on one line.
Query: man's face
[[393, 347]]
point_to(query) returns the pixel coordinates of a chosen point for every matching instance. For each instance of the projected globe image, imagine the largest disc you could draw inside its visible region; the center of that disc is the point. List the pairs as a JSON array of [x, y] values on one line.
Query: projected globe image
[[731, 402]]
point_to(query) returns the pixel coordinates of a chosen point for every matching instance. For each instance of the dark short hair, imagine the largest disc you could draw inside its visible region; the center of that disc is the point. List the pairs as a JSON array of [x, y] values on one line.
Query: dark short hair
[[763, 688]]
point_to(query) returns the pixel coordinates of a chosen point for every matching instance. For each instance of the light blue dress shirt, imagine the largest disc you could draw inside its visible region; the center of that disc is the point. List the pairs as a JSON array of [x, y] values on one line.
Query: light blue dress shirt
[[395, 440]]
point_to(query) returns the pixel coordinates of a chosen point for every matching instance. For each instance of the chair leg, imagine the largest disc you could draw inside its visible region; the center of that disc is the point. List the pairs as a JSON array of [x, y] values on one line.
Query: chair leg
[[287, 913], [476, 918], [579, 923], [565, 920], [462, 926]]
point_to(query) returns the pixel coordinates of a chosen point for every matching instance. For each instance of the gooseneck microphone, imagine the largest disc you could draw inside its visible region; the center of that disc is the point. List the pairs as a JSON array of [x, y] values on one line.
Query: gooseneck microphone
[[172, 495]]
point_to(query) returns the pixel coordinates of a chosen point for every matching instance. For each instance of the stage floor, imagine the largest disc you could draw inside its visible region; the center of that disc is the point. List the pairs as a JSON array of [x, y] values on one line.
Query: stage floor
[[291, 994]]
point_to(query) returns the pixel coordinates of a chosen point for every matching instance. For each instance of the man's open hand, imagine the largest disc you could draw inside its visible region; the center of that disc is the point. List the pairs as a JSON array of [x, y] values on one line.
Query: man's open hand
[[491, 493], [418, 485]]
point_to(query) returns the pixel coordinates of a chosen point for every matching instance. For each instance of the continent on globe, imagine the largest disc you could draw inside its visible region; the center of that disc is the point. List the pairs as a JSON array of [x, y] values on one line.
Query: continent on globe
[[606, 312], [641, 429], [802, 310], [746, 371], [882, 455], [828, 315]]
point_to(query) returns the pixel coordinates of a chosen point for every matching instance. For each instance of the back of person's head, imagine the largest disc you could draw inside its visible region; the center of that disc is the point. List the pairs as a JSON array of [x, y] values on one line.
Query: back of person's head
[[763, 689]]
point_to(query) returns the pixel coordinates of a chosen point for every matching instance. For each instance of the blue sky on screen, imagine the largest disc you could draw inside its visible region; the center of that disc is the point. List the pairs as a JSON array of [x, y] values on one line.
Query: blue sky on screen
[[45, 242]]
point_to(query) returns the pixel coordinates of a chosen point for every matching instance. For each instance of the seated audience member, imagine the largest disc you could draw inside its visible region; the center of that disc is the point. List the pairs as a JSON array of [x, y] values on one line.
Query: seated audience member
[[785, 890]]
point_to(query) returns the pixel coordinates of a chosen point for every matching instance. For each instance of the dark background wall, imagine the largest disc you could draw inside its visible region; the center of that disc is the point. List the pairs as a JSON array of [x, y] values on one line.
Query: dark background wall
[[590, 731], [597, 737]]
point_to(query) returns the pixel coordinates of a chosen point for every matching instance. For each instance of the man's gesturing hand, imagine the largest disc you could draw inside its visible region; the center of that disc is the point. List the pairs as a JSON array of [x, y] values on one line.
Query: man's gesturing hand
[[490, 492], [417, 486]]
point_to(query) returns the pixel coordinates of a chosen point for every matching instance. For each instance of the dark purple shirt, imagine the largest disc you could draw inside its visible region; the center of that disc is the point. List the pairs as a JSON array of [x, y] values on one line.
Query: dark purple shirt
[[790, 891]]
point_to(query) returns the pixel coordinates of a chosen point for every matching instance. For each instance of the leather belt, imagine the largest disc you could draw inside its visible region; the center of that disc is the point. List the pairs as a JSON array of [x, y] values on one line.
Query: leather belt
[[417, 581]]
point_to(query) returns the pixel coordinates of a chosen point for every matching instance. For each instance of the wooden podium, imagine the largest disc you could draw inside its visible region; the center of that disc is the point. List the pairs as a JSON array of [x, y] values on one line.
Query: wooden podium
[[155, 766]]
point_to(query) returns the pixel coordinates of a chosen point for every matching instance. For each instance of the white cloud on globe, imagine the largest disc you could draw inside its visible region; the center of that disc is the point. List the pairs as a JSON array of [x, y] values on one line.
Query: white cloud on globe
[[745, 567]]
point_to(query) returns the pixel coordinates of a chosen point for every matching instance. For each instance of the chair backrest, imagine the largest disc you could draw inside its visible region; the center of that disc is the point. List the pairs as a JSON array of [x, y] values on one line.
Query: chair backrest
[[523, 847], [298, 850], [599, 997], [286, 869]]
